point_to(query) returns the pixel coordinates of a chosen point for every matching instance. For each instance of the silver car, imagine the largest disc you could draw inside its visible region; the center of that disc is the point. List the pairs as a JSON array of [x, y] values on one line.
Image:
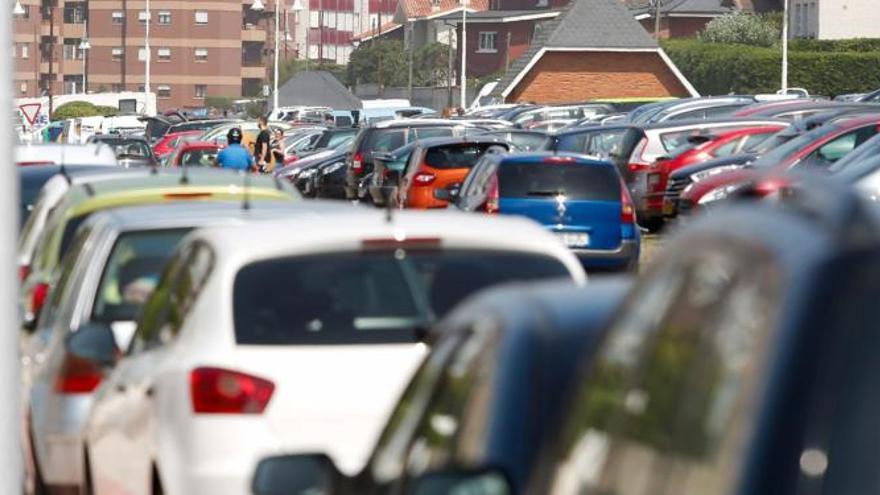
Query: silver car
[[111, 268]]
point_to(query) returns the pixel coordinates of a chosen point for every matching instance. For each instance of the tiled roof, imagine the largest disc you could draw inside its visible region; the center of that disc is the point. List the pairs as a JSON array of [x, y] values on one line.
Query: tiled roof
[[317, 88], [423, 8]]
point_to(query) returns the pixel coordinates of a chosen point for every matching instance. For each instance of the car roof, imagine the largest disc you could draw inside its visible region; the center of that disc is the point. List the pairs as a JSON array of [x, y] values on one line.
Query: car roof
[[444, 141], [595, 129], [199, 144], [390, 124], [347, 231], [541, 156], [670, 124]]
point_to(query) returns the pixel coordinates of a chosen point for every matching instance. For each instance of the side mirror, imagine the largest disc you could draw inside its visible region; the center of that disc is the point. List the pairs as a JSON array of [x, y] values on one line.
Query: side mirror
[[94, 342], [296, 473], [472, 482]]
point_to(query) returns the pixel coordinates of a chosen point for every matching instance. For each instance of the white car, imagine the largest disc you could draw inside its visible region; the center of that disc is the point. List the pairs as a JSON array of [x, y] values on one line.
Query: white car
[[65, 154], [293, 335]]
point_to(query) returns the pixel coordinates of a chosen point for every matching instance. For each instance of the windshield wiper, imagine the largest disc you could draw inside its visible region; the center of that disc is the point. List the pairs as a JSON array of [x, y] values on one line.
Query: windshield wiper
[[545, 193]]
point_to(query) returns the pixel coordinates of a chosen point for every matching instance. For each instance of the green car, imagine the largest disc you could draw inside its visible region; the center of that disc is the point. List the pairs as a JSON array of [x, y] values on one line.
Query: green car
[[166, 185]]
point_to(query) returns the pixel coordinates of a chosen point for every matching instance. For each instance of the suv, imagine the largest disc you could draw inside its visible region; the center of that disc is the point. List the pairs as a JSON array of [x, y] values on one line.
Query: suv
[[388, 136]]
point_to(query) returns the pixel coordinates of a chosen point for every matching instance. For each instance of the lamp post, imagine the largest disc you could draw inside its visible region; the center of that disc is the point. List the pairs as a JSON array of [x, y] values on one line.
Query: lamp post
[[785, 48], [148, 56], [463, 100], [84, 47], [275, 78]]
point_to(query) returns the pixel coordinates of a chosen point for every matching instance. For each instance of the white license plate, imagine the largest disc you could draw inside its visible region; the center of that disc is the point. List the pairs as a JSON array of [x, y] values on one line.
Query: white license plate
[[574, 239]]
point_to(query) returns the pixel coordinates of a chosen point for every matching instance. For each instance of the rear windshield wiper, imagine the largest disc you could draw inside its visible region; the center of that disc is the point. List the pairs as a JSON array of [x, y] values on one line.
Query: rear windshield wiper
[[545, 193]]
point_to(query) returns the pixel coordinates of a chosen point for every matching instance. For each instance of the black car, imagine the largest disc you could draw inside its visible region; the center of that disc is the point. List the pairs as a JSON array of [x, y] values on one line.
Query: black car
[[386, 136], [131, 151], [497, 366], [600, 141], [523, 140]]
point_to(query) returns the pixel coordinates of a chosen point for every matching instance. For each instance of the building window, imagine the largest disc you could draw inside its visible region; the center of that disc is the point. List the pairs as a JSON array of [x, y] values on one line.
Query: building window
[[71, 49], [164, 54], [200, 90], [143, 16], [23, 88], [116, 53], [164, 91], [201, 54], [25, 49], [164, 17], [117, 16], [201, 17], [487, 42], [74, 12]]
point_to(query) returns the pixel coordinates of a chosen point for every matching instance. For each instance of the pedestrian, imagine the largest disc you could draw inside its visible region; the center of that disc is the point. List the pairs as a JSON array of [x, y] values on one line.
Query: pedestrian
[[235, 156], [262, 146], [278, 149]]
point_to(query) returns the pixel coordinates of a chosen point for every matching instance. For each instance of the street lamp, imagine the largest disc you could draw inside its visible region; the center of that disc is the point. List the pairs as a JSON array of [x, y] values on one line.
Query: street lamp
[[84, 47], [148, 55], [463, 99], [785, 48]]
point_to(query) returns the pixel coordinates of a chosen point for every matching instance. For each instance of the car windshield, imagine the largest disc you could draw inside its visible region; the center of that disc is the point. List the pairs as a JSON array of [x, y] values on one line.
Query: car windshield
[[462, 155], [602, 143], [331, 139], [198, 157], [132, 272], [126, 149], [383, 140], [575, 181], [367, 297], [524, 141]]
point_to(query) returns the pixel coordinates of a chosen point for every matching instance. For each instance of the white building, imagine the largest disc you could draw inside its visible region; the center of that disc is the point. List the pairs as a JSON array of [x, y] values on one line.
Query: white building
[[834, 19]]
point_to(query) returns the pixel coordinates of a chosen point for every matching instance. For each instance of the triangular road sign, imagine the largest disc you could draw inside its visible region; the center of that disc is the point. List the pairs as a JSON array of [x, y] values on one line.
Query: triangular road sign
[[30, 111]]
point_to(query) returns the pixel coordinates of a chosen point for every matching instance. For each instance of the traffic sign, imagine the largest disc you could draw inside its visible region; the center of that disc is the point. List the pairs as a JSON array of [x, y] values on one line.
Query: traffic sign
[[30, 111]]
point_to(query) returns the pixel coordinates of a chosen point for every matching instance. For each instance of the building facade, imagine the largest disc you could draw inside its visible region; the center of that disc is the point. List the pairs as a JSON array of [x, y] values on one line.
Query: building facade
[[834, 19]]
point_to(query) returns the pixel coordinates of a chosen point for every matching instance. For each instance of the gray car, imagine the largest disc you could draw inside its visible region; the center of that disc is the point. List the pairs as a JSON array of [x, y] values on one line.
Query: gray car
[[112, 266]]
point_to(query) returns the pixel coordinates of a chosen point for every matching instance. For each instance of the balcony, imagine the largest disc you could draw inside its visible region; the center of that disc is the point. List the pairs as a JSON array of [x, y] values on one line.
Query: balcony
[[253, 34]]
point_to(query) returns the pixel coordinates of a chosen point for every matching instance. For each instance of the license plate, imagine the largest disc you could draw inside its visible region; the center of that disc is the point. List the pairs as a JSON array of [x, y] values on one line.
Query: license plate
[[574, 239], [668, 208]]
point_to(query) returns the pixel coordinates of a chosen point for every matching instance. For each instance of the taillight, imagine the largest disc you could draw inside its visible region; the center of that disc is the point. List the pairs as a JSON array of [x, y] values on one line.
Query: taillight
[[38, 297], [559, 159], [23, 272], [492, 198], [220, 391], [423, 178], [627, 211], [357, 163], [78, 376]]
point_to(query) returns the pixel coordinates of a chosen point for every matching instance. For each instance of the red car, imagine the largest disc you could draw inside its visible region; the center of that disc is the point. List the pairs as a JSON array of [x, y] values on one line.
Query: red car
[[703, 147], [170, 142], [195, 154], [817, 149]]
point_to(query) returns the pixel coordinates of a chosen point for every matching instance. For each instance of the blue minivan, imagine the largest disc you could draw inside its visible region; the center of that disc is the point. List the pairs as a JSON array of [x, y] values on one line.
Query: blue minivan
[[581, 199]]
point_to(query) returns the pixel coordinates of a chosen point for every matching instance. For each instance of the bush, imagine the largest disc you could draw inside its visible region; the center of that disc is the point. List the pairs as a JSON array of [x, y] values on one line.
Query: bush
[[745, 29], [851, 45], [76, 109], [716, 69]]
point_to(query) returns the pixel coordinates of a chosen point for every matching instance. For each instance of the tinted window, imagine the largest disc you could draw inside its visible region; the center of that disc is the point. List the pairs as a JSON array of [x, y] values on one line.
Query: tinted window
[[132, 272], [198, 158], [431, 132], [366, 297], [668, 403], [31, 184], [123, 149], [576, 181], [384, 140], [69, 231], [456, 156], [603, 143]]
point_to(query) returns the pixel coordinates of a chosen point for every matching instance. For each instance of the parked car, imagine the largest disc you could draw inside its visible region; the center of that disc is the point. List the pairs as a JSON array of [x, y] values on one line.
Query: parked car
[[691, 109], [522, 140], [320, 338], [817, 149], [599, 141], [579, 199], [111, 268], [82, 200], [515, 347], [387, 169], [390, 135], [64, 154], [195, 154], [168, 143], [131, 151], [440, 163], [31, 180], [534, 116], [303, 172]]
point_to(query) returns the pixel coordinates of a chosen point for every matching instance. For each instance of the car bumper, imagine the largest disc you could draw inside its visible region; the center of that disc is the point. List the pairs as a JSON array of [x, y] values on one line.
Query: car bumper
[[625, 257]]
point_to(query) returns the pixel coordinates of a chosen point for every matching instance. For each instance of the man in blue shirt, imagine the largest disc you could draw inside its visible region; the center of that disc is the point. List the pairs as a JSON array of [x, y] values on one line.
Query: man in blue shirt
[[235, 156]]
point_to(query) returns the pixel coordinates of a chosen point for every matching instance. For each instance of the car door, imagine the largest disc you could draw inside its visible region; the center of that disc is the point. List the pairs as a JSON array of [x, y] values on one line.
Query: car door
[[123, 417]]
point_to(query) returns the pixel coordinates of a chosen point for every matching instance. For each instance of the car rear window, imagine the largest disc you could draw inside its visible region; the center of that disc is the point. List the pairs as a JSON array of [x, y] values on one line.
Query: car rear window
[[132, 272], [198, 158], [457, 155], [575, 181], [381, 140], [367, 297]]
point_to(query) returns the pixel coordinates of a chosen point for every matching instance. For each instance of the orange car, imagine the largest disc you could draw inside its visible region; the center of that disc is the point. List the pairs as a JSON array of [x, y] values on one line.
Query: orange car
[[441, 163]]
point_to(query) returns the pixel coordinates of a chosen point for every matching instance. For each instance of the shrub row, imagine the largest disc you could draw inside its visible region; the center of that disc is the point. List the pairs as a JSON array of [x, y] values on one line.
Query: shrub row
[[716, 69]]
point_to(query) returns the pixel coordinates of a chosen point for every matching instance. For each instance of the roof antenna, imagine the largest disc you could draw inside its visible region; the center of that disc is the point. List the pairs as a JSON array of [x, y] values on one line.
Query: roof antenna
[[246, 196]]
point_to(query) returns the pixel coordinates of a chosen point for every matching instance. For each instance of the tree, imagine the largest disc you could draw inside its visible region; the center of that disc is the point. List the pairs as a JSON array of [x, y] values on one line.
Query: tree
[[745, 29], [380, 61], [431, 65], [76, 109]]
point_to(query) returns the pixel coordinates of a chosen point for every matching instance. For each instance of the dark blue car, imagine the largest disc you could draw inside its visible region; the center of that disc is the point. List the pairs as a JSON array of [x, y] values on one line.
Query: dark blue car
[[582, 200]]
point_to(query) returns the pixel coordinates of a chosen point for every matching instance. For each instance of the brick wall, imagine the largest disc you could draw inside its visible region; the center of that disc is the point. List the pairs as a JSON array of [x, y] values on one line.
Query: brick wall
[[563, 77]]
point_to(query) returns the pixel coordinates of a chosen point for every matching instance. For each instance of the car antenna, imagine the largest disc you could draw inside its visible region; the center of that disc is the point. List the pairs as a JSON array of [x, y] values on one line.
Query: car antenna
[[246, 195]]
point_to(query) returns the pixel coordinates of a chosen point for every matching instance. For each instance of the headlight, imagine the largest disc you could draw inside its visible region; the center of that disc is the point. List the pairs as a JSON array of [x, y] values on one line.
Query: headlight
[[333, 168], [718, 194], [705, 174]]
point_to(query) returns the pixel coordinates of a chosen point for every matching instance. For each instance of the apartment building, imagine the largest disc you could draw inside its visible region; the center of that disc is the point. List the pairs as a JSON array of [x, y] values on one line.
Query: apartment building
[[834, 19]]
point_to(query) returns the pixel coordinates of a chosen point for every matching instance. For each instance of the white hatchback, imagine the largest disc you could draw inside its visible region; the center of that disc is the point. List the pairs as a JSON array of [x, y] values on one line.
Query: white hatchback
[[293, 335]]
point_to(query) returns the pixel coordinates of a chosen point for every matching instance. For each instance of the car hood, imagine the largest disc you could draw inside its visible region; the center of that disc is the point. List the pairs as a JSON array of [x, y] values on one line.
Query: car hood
[[742, 159], [696, 190]]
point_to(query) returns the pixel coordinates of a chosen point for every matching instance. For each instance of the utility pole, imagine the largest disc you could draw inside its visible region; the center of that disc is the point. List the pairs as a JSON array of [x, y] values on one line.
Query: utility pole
[[275, 70], [462, 103], [449, 69], [409, 88], [51, 91], [124, 59], [507, 53], [148, 56], [657, 7], [785, 48]]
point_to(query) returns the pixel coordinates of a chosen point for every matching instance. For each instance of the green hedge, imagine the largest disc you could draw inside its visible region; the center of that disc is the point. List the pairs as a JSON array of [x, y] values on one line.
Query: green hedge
[[851, 45], [716, 69]]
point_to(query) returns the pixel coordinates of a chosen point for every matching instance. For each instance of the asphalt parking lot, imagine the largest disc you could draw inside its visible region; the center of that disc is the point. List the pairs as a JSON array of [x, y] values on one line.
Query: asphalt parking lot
[[651, 246]]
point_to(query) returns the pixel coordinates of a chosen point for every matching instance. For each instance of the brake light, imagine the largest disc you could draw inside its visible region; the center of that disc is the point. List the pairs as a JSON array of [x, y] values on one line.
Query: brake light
[[559, 159], [38, 297], [424, 178], [35, 163], [220, 391], [492, 198], [187, 195], [23, 272], [401, 242], [627, 211], [78, 376], [357, 163]]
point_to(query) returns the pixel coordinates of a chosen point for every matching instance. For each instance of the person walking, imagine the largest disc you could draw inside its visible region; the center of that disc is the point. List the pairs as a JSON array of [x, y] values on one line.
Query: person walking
[[235, 156], [263, 146], [278, 149]]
